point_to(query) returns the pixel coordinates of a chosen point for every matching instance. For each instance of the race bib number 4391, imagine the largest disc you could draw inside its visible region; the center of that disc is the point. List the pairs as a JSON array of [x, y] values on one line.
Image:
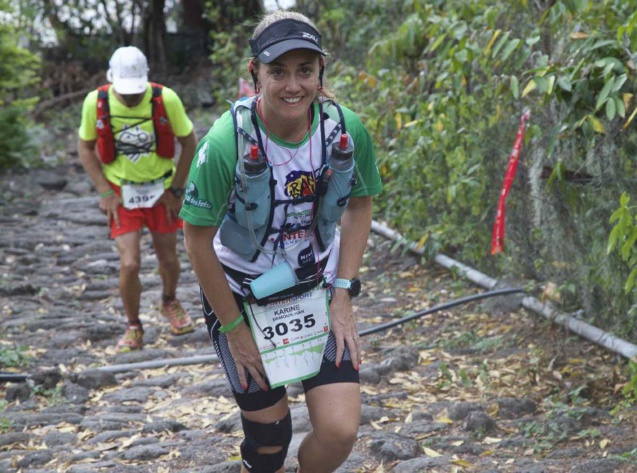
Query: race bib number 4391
[[138, 196], [291, 335]]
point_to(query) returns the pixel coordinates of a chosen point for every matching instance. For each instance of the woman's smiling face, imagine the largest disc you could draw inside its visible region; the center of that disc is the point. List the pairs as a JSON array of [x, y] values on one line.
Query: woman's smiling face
[[289, 85]]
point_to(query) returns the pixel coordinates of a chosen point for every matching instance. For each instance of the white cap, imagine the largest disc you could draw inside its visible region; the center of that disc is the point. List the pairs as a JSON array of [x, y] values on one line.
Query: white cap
[[128, 71]]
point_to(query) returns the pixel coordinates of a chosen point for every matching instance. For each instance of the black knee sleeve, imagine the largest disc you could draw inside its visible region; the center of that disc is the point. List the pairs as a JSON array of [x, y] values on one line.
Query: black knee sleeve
[[278, 434]]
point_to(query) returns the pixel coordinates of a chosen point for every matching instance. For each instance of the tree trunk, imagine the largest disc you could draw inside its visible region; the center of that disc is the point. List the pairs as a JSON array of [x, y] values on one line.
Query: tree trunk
[[232, 12], [193, 16], [155, 36]]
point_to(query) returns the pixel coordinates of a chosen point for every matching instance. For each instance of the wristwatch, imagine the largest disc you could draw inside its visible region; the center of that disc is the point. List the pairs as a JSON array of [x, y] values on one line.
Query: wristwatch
[[353, 286], [176, 192]]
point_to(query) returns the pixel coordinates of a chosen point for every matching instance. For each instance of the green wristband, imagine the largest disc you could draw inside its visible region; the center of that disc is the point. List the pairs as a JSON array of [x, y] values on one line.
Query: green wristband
[[232, 325], [107, 193]]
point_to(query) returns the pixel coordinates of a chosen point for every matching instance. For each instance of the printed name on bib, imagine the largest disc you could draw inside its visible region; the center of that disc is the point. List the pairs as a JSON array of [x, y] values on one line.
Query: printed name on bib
[[291, 335]]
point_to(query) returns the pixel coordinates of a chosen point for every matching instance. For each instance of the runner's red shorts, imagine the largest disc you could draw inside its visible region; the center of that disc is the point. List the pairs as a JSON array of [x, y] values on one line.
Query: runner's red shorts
[[154, 218]]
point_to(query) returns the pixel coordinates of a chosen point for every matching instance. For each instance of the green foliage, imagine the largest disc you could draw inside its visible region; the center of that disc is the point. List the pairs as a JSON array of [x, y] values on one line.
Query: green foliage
[[586, 81], [230, 57], [445, 378], [15, 143], [230, 54], [17, 72], [348, 29], [590, 71], [630, 389], [13, 357], [443, 124], [630, 456], [623, 236], [53, 396], [5, 425], [19, 66], [442, 88]]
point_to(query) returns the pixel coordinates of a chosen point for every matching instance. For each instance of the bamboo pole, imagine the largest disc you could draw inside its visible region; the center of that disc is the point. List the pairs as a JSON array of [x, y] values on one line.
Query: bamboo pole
[[473, 275], [586, 330], [581, 328]]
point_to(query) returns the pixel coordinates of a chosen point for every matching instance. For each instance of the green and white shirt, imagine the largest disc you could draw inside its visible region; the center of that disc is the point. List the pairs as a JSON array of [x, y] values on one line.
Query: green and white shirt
[[295, 168]]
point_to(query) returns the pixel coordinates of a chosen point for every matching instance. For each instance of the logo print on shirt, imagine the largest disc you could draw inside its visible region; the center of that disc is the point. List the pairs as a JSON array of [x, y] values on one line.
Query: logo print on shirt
[[133, 142], [306, 257], [201, 156], [299, 184], [291, 236], [192, 198]]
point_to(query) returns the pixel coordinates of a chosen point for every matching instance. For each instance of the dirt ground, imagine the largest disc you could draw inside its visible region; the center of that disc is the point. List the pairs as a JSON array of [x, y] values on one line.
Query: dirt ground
[[485, 386]]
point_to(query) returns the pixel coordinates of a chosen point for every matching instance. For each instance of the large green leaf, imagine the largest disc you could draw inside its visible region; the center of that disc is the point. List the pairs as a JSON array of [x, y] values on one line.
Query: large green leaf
[[603, 95], [515, 87]]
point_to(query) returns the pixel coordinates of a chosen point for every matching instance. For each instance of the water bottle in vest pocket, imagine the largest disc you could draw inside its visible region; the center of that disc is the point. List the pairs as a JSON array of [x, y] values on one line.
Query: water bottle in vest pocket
[[243, 229], [338, 178], [252, 190]]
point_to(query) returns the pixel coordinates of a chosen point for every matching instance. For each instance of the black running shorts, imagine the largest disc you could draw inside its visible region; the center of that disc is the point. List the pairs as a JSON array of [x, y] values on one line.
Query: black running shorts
[[254, 398]]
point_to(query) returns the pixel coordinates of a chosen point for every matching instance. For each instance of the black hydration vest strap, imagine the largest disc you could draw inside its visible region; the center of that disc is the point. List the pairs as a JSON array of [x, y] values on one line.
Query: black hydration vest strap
[[247, 136], [255, 126], [103, 95], [338, 129], [309, 277]]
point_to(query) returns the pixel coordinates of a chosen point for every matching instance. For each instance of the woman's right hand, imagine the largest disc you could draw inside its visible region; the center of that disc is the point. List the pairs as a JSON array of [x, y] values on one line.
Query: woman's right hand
[[198, 242], [246, 356]]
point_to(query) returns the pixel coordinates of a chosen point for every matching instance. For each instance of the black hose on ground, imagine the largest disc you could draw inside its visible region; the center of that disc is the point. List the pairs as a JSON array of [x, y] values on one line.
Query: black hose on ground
[[206, 359], [13, 378], [447, 305]]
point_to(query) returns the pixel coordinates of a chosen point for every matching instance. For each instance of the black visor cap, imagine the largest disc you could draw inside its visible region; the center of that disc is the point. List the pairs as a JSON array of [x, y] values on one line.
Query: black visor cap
[[283, 36]]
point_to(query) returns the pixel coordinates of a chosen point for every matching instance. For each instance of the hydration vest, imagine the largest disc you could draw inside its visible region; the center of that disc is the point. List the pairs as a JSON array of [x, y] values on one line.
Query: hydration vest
[[249, 243], [164, 136]]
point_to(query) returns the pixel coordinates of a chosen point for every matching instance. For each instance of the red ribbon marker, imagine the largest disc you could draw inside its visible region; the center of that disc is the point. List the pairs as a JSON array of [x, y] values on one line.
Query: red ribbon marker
[[245, 88], [497, 240]]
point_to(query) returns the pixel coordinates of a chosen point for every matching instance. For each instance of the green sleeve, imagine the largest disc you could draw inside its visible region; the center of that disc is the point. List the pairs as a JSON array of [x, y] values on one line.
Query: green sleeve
[[367, 176], [211, 175]]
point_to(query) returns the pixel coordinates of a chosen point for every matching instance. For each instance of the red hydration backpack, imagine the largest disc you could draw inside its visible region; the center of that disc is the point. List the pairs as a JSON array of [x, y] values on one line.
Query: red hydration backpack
[[165, 146]]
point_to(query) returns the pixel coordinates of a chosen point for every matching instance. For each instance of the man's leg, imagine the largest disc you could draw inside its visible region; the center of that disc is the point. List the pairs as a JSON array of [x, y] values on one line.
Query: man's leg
[[130, 289], [130, 286], [166, 250], [169, 268], [335, 416]]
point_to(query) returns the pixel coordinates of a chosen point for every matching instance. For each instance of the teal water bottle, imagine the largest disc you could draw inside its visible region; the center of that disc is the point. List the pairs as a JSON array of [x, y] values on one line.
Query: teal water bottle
[[339, 183], [253, 190], [244, 229]]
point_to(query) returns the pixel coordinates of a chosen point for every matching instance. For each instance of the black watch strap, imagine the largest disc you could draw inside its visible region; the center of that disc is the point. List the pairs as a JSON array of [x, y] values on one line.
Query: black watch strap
[[177, 192]]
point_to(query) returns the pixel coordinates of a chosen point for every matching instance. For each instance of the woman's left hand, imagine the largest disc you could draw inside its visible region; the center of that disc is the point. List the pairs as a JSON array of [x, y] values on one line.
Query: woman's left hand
[[344, 328]]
